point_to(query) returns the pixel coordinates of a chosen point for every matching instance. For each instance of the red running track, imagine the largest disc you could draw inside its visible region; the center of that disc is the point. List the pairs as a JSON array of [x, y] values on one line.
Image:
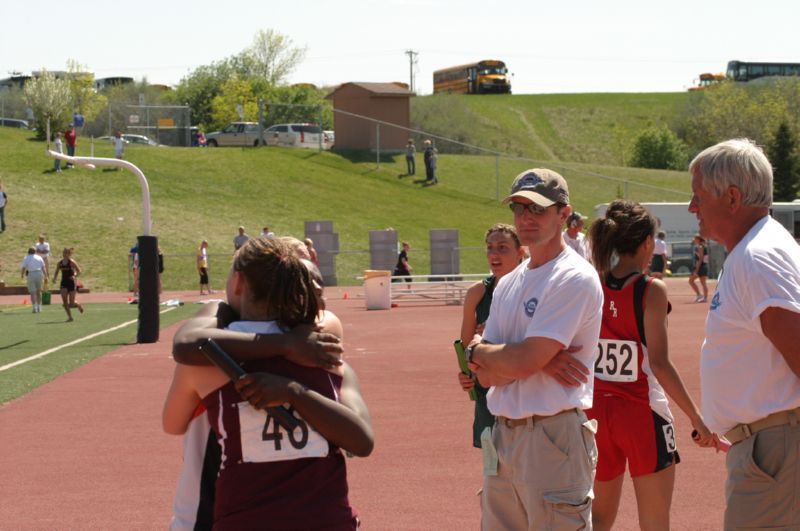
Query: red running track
[[86, 451]]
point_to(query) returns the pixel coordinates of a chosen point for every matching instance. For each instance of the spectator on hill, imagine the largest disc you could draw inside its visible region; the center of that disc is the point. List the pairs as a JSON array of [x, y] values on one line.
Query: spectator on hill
[[43, 250], [34, 267], [430, 157], [119, 145], [71, 137], [58, 147], [411, 155], [267, 233], [240, 239]]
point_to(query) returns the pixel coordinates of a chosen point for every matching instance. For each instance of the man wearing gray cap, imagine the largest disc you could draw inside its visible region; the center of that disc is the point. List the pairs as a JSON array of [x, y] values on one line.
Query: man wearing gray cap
[[546, 454]]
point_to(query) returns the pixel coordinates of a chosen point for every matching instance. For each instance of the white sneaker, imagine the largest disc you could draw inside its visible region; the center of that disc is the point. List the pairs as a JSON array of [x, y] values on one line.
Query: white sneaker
[[699, 298]]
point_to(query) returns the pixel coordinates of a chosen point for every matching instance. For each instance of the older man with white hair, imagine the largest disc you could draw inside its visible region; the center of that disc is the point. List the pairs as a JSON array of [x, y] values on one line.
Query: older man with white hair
[[750, 361]]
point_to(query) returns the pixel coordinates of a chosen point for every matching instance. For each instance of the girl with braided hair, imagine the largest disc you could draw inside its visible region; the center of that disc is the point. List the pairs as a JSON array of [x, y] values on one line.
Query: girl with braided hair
[[271, 478]]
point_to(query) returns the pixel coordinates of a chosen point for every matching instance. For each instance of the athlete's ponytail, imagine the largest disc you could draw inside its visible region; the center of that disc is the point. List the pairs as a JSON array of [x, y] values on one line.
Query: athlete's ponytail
[[622, 230]]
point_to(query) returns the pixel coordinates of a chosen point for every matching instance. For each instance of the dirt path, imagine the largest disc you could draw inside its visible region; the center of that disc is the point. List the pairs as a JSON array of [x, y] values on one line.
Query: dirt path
[[550, 154]]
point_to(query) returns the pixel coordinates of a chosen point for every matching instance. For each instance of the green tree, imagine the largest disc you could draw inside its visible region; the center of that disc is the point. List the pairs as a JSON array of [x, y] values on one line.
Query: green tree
[[735, 110], [49, 98], [782, 153], [659, 148], [85, 100], [235, 92], [272, 57]]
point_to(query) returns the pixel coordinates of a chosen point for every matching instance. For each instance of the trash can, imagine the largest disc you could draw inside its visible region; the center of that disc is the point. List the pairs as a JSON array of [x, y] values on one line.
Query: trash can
[[378, 289], [45, 298]]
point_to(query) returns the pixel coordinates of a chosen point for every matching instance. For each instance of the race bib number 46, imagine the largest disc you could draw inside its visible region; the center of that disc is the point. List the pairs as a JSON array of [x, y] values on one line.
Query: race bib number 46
[[617, 361], [264, 440]]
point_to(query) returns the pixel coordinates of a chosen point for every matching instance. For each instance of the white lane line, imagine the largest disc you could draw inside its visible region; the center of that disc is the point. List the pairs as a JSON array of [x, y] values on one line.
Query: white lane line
[[65, 345]]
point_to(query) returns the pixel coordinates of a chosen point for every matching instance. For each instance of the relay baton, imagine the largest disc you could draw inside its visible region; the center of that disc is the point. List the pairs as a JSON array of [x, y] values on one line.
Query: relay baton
[[723, 445], [462, 364], [235, 372]]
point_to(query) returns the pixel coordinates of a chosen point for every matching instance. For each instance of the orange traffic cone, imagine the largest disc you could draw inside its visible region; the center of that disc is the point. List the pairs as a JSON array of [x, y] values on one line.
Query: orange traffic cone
[[346, 295], [24, 301]]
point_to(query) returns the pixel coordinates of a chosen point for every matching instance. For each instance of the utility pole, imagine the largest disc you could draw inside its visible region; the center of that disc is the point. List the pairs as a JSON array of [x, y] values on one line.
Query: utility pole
[[412, 61]]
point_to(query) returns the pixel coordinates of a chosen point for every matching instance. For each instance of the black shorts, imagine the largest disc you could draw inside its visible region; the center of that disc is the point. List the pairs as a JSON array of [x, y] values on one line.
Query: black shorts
[[68, 284], [203, 275], [657, 263], [703, 270]]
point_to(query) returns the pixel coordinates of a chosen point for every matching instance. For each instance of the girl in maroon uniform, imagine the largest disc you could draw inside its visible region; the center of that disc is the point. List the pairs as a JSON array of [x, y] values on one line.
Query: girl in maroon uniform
[[635, 425], [270, 478]]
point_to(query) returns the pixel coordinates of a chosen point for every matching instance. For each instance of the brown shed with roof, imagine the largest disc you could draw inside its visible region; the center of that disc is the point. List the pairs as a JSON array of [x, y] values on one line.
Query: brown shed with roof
[[387, 102]]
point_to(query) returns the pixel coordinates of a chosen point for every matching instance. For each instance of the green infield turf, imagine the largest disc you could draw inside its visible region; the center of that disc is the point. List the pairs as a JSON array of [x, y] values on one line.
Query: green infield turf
[[26, 334]]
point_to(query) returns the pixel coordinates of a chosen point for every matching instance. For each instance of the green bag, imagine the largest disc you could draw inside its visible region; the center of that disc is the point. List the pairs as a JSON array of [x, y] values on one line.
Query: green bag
[[46, 297]]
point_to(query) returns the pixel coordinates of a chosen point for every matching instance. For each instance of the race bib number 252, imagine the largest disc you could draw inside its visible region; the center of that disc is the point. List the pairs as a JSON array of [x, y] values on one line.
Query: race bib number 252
[[617, 360], [264, 440]]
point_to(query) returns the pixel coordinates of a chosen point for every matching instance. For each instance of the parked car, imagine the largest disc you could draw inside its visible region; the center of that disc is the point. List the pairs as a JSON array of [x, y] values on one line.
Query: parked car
[[13, 122], [107, 138], [236, 134], [140, 139], [294, 135], [680, 258]]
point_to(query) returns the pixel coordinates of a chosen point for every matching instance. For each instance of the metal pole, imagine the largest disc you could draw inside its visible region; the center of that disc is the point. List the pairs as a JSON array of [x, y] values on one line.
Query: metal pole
[[626, 189], [378, 145], [147, 247]]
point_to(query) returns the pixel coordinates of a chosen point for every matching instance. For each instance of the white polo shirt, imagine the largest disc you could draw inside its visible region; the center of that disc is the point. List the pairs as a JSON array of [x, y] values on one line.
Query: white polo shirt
[[33, 262], [660, 247], [561, 300], [743, 377]]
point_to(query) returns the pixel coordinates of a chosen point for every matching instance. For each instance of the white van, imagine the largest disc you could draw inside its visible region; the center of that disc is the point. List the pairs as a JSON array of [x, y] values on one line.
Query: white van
[[295, 135]]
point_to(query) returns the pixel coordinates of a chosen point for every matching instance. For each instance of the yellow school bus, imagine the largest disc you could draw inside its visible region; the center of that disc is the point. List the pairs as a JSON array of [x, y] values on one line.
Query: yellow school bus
[[488, 76]]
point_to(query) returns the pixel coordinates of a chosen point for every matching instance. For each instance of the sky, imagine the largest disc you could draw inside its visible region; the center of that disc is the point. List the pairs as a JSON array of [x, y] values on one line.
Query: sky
[[566, 46]]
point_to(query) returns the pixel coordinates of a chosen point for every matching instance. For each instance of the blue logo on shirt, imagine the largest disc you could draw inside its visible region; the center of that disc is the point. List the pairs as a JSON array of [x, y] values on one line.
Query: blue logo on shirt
[[715, 302], [530, 306]]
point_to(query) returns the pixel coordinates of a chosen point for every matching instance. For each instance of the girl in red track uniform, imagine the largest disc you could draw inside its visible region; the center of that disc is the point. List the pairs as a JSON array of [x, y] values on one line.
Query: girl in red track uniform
[[632, 373]]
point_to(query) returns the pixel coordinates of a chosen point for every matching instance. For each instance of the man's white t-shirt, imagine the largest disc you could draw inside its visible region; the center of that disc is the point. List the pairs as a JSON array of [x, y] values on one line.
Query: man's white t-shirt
[[42, 249], [33, 262], [560, 300], [743, 377]]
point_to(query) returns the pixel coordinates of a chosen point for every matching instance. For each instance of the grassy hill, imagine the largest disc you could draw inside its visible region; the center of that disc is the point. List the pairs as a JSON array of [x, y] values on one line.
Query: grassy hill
[[208, 193], [588, 128]]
